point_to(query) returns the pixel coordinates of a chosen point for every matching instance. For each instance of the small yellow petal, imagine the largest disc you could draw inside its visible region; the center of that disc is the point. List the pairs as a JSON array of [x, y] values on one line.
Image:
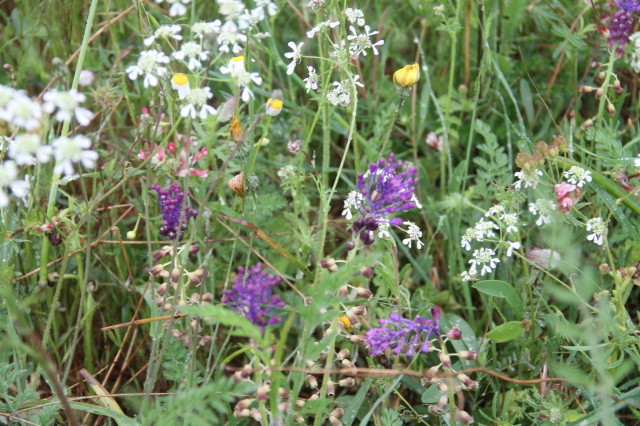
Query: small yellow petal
[[407, 76]]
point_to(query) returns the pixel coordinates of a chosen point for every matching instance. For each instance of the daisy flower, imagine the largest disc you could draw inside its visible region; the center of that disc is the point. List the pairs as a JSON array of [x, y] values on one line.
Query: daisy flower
[[180, 82], [243, 78]]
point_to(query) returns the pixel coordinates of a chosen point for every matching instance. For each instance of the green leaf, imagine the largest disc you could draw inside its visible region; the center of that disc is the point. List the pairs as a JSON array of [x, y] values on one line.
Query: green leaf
[[224, 316], [505, 332], [120, 419], [502, 290]]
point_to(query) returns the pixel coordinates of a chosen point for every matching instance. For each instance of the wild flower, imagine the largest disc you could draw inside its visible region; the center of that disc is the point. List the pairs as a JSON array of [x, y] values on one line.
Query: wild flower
[[150, 65], [566, 196], [180, 82], [387, 188], [403, 335], [23, 112], [407, 76], [484, 259], [230, 38], [359, 43], [545, 258], [67, 151], [193, 53], [544, 208], [252, 296], [27, 149], [434, 141], [67, 104], [340, 95], [413, 235], [511, 247], [321, 27], [174, 209], [266, 6], [619, 30], [598, 229], [202, 29], [578, 176], [177, 160], [273, 107], [484, 229], [178, 7], [196, 104], [231, 9], [511, 220], [530, 179], [354, 16], [311, 82], [236, 69], [9, 180], [164, 32], [86, 78], [295, 55], [629, 5], [634, 59], [316, 4], [6, 95]]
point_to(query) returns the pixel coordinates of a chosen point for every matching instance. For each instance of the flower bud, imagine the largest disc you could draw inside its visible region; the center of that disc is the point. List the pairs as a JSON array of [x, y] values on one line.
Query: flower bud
[[454, 333], [442, 403], [445, 360], [586, 89], [407, 76], [611, 109], [367, 272], [588, 123], [175, 275], [294, 147], [310, 363], [601, 75], [358, 339], [598, 93], [364, 293], [468, 355], [329, 264], [313, 382], [159, 271], [604, 268], [236, 129], [193, 279], [464, 417], [194, 249], [358, 310], [131, 235], [347, 383], [347, 363], [617, 87], [344, 353], [307, 301], [343, 291], [350, 245], [334, 421], [337, 412], [236, 184], [263, 392], [162, 289]]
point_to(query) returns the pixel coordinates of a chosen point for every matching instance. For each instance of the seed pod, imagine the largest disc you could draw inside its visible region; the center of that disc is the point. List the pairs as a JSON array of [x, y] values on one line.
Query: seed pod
[[313, 382], [347, 383], [331, 389]]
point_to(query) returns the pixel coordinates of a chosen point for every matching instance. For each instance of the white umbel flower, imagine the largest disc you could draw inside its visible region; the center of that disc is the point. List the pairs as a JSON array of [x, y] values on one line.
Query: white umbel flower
[[6, 95], [295, 55], [311, 82], [529, 179], [511, 247], [178, 7], [578, 176], [413, 235], [24, 112], [598, 229], [197, 104], [192, 53], [544, 208], [26, 149], [359, 43], [164, 32], [73, 150], [230, 39], [9, 180], [150, 65], [484, 259], [231, 9], [354, 198], [202, 29], [67, 104], [354, 16]]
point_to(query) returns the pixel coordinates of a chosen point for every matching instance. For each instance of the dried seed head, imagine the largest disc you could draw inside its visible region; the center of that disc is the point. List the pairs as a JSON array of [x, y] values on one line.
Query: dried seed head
[[236, 184], [236, 129]]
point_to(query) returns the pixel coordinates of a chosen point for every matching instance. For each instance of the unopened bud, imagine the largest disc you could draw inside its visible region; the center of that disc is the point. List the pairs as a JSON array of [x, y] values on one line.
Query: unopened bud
[[159, 271], [464, 417], [313, 382], [175, 275], [367, 272], [588, 123], [604, 268], [193, 279], [347, 383], [442, 387], [194, 249], [310, 363], [307, 301], [338, 412], [344, 353], [343, 291], [294, 146], [131, 235], [586, 89], [358, 339], [300, 402], [283, 393], [207, 297], [162, 289], [364, 293], [601, 75], [347, 363], [445, 360], [611, 109], [454, 333], [329, 264], [443, 402], [350, 245], [334, 421], [358, 310], [263, 392], [598, 94], [468, 355], [617, 87], [255, 413], [297, 418]]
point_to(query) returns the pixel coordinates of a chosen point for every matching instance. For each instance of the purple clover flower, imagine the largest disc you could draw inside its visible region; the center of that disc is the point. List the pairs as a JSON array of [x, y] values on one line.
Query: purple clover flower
[[175, 211], [406, 336], [387, 188], [629, 5], [251, 295]]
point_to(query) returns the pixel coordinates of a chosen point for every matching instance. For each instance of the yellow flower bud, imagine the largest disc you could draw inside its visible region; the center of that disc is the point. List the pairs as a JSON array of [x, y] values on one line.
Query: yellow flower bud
[[407, 76]]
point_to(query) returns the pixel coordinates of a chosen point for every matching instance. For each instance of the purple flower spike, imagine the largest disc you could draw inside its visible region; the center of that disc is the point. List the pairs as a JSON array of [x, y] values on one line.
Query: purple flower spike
[[387, 188], [251, 295], [619, 30], [172, 206], [629, 5], [406, 336]]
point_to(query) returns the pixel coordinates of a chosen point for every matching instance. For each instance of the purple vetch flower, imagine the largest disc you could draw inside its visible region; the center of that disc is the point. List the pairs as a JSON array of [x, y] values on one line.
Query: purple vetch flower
[[386, 188], [629, 5], [619, 30], [175, 211], [403, 336], [251, 295]]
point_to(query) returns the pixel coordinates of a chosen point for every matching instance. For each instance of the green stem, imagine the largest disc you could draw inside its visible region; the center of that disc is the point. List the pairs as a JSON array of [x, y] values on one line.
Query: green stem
[[605, 85]]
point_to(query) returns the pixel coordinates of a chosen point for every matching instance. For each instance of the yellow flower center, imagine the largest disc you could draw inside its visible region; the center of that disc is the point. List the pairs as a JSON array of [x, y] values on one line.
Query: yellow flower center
[[237, 58], [346, 322], [180, 79], [274, 103]]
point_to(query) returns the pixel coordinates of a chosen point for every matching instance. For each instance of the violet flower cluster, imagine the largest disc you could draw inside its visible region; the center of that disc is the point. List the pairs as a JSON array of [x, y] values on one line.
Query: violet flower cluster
[[621, 24], [175, 211], [402, 335], [251, 295], [387, 188]]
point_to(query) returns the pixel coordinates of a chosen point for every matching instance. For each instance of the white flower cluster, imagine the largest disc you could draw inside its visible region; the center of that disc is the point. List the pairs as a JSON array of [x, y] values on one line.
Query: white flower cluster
[[341, 92], [598, 229], [544, 208], [28, 145], [578, 176], [484, 258], [634, 60], [529, 179]]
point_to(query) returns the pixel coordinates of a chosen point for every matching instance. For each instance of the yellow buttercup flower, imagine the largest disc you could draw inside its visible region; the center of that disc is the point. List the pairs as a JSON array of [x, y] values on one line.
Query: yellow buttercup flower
[[274, 107], [407, 76]]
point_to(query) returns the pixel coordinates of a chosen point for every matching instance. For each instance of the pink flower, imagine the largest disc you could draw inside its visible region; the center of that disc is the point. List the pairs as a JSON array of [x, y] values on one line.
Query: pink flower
[[566, 196], [177, 159], [434, 141]]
